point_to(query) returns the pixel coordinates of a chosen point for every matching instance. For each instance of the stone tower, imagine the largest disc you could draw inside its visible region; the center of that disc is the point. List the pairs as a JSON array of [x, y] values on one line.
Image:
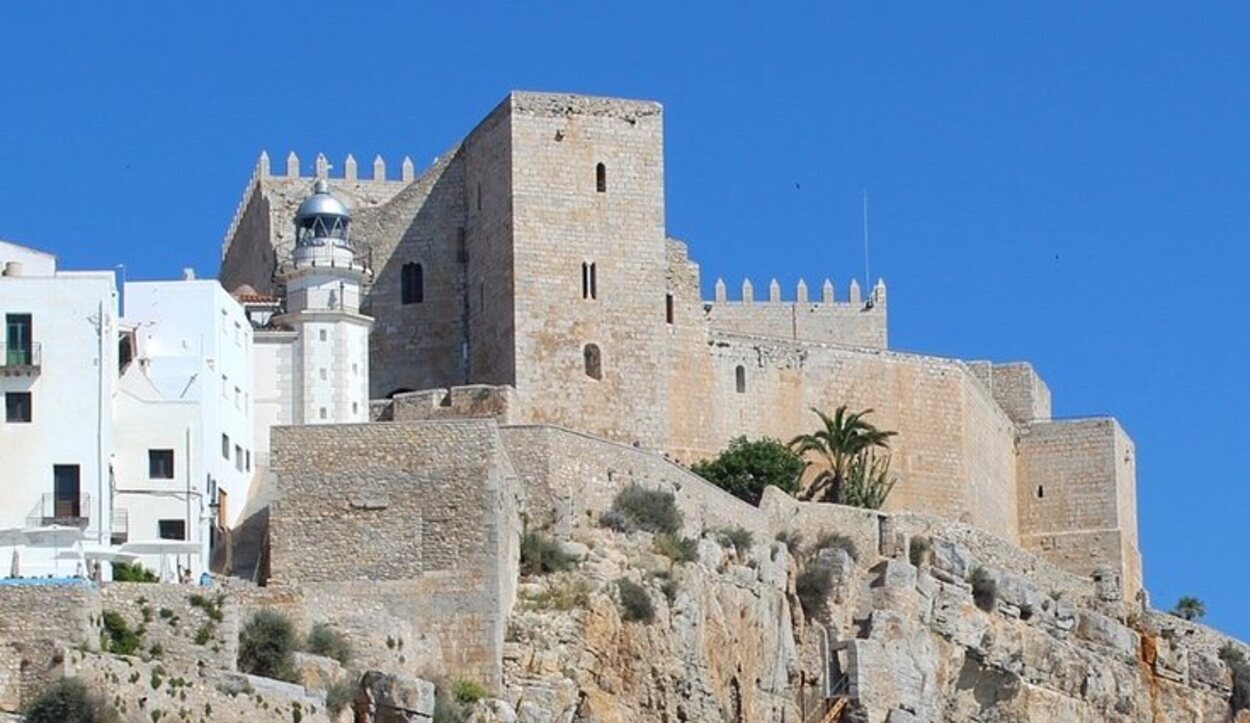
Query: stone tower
[[322, 277]]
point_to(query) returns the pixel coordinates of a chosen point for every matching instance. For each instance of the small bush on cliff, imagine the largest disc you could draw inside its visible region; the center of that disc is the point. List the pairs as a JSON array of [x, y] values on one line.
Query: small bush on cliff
[[739, 539], [126, 572], [676, 548], [833, 541], [326, 640], [813, 585], [918, 550], [636, 603], [69, 701], [984, 588], [118, 637], [541, 554], [746, 467], [338, 696], [266, 643], [638, 508], [1189, 608], [467, 691], [1240, 668]]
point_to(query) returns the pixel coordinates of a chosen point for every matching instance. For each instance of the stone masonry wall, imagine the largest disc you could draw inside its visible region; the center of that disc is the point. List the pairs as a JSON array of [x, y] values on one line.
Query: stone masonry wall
[[173, 624], [36, 624], [1016, 387], [1075, 481], [954, 453], [439, 495], [828, 321]]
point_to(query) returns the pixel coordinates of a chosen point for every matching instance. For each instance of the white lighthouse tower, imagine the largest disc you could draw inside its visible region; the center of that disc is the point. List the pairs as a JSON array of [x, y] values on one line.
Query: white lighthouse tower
[[322, 278]]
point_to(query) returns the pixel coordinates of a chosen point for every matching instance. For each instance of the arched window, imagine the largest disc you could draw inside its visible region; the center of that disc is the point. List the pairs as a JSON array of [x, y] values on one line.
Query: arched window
[[412, 284], [740, 379], [593, 361], [590, 284], [601, 178]]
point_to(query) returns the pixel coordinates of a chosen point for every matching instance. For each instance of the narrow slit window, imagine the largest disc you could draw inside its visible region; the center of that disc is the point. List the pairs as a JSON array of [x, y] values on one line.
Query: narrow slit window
[[593, 361], [668, 308], [740, 379], [585, 280], [601, 178], [412, 284], [594, 282], [1040, 492]]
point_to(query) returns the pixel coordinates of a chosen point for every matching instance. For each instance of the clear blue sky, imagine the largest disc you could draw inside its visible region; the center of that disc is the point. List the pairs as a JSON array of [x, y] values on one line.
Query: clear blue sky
[[1064, 184]]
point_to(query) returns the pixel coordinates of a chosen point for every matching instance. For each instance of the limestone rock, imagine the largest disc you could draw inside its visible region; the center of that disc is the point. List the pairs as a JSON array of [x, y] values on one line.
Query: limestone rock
[[386, 698], [316, 671]]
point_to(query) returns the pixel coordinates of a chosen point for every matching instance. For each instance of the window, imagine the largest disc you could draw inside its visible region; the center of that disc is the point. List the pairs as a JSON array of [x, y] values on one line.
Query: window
[[590, 284], [17, 407], [355, 407], [668, 308], [740, 379], [479, 196], [601, 178], [323, 373], [225, 386], [593, 361], [249, 460], [225, 446], [323, 412], [238, 458], [161, 463], [18, 347], [411, 284], [322, 335], [1040, 492], [172, 529]]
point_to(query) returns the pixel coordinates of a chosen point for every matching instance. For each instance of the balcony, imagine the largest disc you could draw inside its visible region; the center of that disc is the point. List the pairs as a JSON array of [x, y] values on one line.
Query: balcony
[[119, 532], [53, 509], [20, 361]]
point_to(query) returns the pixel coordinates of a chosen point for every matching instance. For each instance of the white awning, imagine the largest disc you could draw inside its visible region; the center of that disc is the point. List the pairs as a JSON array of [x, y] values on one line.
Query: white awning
[[161, 547]]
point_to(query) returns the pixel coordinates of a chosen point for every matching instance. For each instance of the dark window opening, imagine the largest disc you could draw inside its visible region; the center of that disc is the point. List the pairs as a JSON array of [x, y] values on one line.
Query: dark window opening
[[601, 178], [593, 361], [225, 446], [17, 407], [479, 196], [18, 344], [740, 379], [412, 284], [1040, 492], [161, 463], [590, 284], [172, 529], [668, 308], [238, 458]]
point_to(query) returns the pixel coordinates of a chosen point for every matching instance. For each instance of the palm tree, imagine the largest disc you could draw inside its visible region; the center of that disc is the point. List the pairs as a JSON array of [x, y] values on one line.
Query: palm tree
[[833, 447], [1189, 608]]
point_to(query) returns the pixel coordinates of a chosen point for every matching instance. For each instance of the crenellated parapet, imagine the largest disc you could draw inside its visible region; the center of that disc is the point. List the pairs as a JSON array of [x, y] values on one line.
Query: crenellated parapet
[[852, 321]]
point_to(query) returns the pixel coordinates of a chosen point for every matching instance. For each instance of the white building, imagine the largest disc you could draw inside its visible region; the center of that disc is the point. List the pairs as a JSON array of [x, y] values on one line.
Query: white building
[[58, 377], [195, 344]]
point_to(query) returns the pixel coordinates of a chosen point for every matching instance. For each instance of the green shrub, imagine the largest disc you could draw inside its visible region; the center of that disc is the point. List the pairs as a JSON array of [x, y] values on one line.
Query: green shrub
[[833, 541], [868, 480], [205, 633], [984, 588], [211, 608], [561, 594], [266, 643], [746, 467], [635, 602], [638, 508], [68, 701], [447, 709], [1189, 608], [338, 696], [813, 585], [468, 692], [325, 639], [118, 637], [1240, 699], [739, 539], [127, 572], [541, 554], [792, 539], [675, 548], [918, 550]]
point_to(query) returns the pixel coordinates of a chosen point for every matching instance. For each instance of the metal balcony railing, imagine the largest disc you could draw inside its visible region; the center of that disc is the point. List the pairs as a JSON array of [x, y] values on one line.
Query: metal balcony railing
[[119, 531], [54, 509], [25, 359]]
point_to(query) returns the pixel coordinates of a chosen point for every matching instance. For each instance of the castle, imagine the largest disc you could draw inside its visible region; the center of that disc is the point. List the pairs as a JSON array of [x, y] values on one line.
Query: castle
[[532, 257]]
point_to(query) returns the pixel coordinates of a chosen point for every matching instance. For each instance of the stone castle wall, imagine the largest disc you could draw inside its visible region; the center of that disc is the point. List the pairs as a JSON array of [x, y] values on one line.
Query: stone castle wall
[[37, 623], [850, 323], [1076, 491], [438, 495]]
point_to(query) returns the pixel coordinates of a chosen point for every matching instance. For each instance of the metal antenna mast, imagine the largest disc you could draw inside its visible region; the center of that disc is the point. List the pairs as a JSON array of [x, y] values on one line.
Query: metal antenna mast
[[867, 275]]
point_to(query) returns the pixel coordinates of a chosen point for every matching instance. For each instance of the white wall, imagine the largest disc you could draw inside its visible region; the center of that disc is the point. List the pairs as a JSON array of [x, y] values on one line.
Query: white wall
[[74, 322], [199, 346]]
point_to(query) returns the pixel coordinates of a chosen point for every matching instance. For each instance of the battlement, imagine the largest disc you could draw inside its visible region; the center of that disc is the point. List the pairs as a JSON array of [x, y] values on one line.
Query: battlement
[[855, 321], [565, 104]]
